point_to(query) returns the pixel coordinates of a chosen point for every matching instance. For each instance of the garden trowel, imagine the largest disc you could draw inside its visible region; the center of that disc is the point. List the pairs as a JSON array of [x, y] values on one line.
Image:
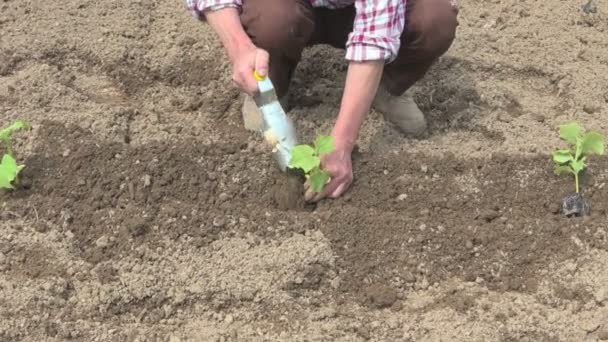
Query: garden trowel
[[278, 129]]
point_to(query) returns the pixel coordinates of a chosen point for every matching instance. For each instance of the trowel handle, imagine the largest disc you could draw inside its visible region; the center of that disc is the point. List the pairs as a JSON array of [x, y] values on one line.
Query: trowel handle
[[257, 76]]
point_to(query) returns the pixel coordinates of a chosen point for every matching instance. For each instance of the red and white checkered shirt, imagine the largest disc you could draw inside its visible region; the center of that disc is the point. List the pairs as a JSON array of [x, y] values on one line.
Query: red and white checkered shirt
[[376, 31]]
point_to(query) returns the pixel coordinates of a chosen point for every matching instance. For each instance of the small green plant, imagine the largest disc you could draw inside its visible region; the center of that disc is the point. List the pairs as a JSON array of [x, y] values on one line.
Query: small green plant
[[573, 160], [9, 169], [308, 159]]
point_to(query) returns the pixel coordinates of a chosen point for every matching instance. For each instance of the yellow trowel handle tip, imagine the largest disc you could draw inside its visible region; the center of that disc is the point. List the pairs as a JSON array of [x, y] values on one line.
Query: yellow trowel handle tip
[[258, 76]]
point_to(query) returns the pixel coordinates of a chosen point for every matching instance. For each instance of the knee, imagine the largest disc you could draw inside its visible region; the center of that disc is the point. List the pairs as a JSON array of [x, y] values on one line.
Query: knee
[[435, 27], [278, 24]]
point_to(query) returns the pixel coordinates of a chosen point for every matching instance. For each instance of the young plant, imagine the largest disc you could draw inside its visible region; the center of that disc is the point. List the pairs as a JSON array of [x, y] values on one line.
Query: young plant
[[308, 159], [9, 169], [573, 160]]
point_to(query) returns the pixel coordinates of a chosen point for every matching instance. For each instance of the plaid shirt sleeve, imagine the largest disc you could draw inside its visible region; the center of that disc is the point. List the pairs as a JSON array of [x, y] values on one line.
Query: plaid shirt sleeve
[[199, 6], [377, 30]]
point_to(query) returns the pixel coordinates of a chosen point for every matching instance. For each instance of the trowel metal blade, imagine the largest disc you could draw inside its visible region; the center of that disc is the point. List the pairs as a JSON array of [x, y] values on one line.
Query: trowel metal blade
[[276, 123]]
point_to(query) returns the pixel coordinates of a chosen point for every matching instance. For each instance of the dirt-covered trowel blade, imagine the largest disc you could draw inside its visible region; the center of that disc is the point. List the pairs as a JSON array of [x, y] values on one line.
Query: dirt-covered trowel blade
[[279, 130]]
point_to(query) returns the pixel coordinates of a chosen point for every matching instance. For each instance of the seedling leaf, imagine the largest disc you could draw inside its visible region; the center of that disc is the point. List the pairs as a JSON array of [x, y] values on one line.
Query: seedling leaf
[[318, 179], [570, 132], [578, 165], [593, 142], [7, 132], [303, 157], [562, 156], [582, 145], [308, 159], [9, 171], [324, 145]]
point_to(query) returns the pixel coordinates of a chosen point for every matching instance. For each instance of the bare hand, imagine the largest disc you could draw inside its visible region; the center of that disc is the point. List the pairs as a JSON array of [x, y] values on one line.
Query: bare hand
[[339, 165], [243, 66]]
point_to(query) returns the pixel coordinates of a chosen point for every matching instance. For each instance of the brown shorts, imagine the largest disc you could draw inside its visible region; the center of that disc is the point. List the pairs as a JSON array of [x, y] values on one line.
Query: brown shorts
[[285, 27]]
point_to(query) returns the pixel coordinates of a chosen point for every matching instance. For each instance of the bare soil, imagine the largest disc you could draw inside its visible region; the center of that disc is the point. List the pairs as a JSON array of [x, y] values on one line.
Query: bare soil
[[147, 212]]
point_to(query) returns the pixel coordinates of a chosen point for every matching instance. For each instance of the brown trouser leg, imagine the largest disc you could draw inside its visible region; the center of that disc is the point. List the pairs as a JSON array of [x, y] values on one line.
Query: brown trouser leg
[[285, 27]]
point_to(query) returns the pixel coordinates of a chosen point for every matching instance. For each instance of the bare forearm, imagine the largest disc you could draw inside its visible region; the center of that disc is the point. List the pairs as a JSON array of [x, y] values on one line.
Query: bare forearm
[[227, 25], [362, 82]]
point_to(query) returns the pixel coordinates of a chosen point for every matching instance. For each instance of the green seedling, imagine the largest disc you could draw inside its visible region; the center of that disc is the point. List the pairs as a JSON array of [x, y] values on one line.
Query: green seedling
[[308, 159], [9, 169], [583, 144]]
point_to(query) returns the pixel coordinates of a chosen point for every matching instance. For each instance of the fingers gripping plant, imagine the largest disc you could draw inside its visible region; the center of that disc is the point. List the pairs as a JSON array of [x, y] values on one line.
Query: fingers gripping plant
[[573, 160], [9, 169], [308, 159]]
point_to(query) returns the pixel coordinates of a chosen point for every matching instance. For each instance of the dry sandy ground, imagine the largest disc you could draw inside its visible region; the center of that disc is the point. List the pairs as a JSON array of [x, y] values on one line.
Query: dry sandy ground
[[116, 87]]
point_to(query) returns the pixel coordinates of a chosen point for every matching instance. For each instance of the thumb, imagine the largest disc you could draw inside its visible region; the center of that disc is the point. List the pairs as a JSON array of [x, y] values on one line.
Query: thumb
[[339, 191], [262, 59]]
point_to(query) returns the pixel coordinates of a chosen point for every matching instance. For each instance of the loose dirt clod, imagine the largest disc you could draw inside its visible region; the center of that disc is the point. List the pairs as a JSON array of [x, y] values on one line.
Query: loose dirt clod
[[576, 205]]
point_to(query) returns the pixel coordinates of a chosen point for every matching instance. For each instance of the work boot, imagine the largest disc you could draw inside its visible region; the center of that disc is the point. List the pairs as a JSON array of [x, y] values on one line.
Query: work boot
[[253, 119], [401, 111]]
